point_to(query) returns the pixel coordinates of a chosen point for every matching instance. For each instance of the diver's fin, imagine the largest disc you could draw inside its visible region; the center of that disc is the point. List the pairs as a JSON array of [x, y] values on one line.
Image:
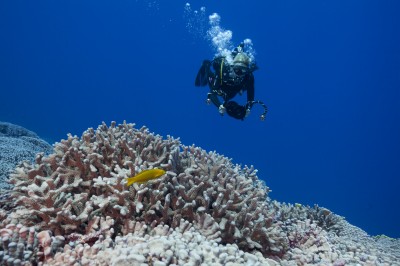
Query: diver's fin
[[202, 75]]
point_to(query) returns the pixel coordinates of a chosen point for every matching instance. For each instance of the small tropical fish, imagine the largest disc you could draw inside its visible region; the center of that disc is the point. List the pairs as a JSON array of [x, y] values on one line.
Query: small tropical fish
[[145, 176]]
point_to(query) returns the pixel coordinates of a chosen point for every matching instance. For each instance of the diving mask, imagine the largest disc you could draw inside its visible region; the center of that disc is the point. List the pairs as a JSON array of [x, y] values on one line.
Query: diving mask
[[240, 70]]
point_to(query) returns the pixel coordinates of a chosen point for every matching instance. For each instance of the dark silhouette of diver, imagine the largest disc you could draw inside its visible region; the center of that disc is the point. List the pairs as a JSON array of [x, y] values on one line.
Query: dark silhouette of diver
[[231, 76]]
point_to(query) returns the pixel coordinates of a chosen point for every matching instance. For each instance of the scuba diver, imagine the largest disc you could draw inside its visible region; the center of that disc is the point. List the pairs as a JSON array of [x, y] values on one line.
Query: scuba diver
[[232, 75]]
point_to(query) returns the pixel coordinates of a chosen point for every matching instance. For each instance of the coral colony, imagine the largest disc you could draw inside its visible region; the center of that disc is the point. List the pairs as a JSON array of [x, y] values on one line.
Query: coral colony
[[73, 207]]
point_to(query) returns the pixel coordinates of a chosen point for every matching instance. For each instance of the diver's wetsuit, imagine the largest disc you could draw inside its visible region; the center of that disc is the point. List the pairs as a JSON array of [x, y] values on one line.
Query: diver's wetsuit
[[225, 83]]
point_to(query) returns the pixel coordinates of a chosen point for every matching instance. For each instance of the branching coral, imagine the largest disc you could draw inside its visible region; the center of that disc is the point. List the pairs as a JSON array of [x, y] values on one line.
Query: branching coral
[[84, 179], [20, 245], [78, 195], [161, 245]]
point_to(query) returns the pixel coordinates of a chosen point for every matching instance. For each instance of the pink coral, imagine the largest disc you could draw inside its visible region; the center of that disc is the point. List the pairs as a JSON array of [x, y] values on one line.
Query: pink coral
[[78, 195], [84, 178]]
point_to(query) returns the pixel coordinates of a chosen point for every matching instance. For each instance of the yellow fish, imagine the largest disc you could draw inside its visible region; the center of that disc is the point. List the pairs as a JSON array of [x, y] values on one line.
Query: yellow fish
[[145, 176]]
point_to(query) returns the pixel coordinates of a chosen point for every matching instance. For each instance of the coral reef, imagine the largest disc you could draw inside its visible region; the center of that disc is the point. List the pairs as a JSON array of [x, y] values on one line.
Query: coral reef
[[15, 131], [77, 209], [21, 245], [162, 245], [84, 178], [17, 144]]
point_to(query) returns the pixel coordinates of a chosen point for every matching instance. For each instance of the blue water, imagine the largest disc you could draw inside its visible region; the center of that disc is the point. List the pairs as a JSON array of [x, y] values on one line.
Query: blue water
[[329, 72]]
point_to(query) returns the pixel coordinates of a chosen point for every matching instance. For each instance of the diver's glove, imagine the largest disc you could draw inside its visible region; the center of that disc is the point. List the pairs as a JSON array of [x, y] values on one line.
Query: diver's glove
[[248, 108], [247, 112], [222, 109]]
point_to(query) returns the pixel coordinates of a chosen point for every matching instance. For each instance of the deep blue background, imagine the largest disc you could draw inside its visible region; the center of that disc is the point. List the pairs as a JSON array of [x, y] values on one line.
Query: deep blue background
[[329, 73]]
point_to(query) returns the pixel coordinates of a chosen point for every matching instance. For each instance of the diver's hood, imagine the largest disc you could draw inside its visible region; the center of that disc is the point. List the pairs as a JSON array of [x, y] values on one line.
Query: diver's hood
[[241, 60]]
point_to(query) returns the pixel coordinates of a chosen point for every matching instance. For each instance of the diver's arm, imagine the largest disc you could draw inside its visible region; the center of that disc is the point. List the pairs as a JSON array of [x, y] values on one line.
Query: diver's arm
[[250, 89], [216, 63], [214, 98]]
